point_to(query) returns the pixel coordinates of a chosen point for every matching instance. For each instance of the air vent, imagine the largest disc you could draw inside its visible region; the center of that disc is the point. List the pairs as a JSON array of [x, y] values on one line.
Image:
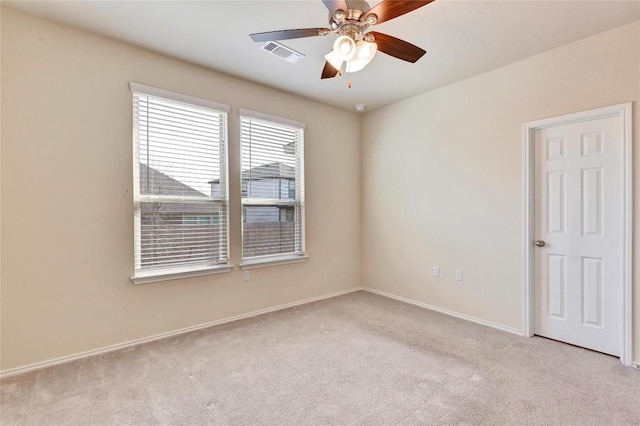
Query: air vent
[[282, 52]]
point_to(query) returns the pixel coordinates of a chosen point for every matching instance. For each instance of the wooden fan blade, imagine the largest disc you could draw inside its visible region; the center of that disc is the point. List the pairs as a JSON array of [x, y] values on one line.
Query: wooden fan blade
[[288, 34], [329, 71], [392, 9], [397, 48], [334, 5]]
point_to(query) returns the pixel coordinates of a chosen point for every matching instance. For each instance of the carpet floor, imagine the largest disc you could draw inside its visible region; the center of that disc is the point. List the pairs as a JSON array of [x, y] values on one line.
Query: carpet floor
[[357, 359]]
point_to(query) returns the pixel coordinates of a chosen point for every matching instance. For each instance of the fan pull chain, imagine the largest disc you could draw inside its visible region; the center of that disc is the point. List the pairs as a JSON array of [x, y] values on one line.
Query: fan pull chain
[[349, 84]]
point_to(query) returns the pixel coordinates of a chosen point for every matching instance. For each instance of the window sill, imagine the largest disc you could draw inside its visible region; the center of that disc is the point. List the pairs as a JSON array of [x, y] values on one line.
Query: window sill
[[271, 261], [174, 274]]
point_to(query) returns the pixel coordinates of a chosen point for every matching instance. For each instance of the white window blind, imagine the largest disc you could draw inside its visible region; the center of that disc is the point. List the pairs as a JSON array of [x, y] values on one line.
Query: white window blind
[[180, 181], [272, 157]]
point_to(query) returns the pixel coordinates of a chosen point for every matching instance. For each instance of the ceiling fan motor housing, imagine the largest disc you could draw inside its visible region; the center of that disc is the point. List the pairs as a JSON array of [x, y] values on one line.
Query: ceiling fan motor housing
[[351, 30]]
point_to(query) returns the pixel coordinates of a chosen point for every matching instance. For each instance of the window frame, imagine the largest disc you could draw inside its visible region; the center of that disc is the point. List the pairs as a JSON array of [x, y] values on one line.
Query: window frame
[[163, 273], [298, 202]]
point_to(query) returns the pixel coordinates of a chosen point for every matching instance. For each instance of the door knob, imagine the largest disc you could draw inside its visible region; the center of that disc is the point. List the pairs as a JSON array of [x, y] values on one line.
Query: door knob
[[540, 243]]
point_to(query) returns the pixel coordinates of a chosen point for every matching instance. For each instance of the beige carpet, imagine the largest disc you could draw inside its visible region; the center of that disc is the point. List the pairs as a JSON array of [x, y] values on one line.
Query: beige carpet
[[358, 359]]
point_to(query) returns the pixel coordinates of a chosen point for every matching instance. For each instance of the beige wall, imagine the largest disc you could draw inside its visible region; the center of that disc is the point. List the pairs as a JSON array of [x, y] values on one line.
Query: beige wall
[[442, 175], [67, 216]]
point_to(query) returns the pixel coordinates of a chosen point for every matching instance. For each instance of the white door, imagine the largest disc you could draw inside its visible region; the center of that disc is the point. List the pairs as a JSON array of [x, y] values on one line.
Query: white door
[[578, 253]]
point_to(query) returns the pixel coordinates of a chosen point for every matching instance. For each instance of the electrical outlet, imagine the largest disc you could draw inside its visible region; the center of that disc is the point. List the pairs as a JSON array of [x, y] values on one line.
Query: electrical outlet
[[458, 275], [245, 275], [435, 271]]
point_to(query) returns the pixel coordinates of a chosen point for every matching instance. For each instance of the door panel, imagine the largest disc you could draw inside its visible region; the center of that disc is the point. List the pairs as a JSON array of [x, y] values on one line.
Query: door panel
[[592, 291], [578, 287], [592, 201], [556, 205], [556, 286]]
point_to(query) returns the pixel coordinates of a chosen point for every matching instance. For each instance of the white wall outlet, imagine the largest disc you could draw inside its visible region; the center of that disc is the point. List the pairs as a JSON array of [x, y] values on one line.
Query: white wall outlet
[[245, 275], [458, 275], [435, 271]]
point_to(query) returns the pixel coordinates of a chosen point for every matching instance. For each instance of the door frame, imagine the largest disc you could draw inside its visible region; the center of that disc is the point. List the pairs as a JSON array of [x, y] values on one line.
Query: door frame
[[624, 111]]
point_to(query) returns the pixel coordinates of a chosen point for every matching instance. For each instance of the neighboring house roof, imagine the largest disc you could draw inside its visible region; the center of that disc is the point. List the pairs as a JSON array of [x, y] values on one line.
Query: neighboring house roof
[[269, 171], [290, 148], [275, 170], [154, 182]]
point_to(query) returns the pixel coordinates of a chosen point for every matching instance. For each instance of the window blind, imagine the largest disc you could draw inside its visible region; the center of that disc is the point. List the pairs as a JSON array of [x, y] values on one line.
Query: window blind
[[180, 181], [272, 167]]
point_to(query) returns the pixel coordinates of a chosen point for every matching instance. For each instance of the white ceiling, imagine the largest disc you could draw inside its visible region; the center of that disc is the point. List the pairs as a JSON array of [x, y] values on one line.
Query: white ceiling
[[462, 38]]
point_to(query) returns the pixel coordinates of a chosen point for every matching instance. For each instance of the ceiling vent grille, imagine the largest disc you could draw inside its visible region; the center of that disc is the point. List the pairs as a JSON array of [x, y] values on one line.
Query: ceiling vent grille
[[282, 52]]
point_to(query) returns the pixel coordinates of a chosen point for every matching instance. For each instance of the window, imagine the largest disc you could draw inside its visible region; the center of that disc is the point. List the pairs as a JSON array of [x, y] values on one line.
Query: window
[[180, 185], [272, 167]]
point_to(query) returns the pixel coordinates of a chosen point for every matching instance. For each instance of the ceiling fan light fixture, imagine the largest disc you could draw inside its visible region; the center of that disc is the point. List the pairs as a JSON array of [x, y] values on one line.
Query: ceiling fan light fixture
[[344, 47], [334, 59], [365, 52], [355, 66]]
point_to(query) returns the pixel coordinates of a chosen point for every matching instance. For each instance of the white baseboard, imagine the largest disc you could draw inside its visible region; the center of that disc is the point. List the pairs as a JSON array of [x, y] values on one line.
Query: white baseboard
[[123, 345], [447, 312], [62, 360]]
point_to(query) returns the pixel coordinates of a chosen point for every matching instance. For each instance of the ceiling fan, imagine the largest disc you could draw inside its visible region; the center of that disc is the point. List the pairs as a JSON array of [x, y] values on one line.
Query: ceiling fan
[[355, 47]]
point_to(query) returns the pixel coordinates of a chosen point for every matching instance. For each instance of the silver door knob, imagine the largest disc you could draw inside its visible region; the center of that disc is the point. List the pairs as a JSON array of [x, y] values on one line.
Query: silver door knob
[[540, 243]]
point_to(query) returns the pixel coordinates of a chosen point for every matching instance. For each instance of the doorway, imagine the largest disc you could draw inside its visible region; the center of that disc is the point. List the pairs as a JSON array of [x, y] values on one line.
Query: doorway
[[577, 229]]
